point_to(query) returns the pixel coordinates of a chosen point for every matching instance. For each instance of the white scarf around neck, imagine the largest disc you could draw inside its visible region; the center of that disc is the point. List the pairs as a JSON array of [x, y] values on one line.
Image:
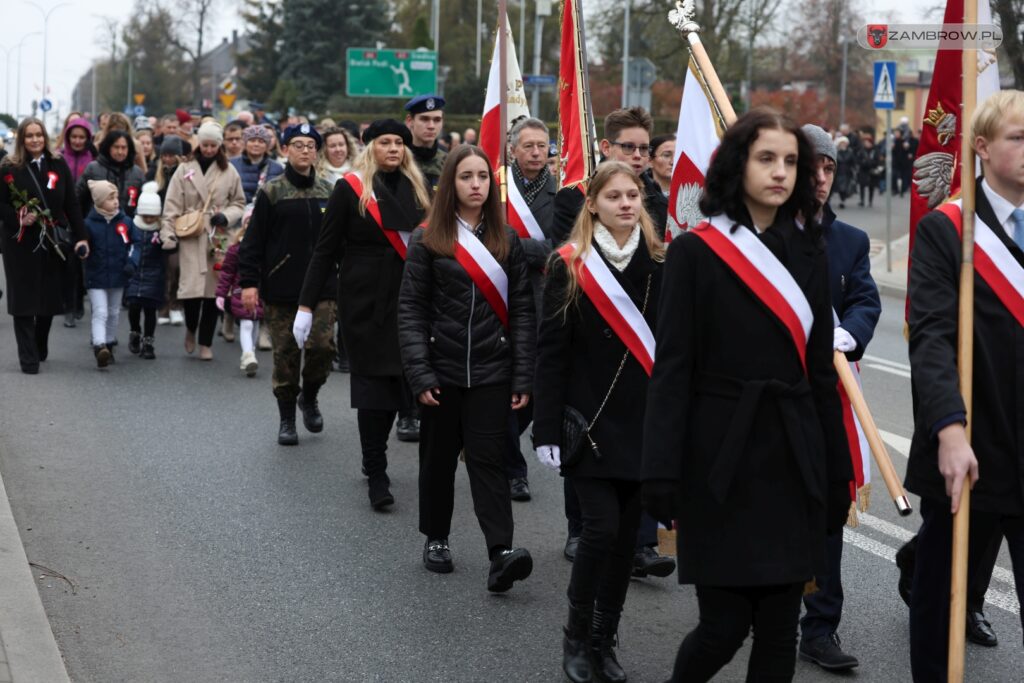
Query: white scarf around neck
[[617, 256]]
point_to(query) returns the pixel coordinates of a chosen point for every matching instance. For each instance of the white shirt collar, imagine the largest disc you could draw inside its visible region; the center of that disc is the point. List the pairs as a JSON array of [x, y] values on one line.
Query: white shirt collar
[[1000, 207], [466, 225]]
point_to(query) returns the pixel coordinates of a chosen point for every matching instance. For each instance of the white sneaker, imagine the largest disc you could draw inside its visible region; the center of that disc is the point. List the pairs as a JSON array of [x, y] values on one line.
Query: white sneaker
[[249, 364], [163, 321], [177, 317], [263, 343]]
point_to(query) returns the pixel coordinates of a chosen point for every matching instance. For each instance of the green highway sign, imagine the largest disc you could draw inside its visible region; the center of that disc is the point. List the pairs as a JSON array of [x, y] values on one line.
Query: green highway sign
[[390, 73]]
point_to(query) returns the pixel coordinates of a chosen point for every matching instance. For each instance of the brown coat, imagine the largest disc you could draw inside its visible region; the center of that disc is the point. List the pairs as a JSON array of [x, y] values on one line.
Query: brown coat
[[186, 192]]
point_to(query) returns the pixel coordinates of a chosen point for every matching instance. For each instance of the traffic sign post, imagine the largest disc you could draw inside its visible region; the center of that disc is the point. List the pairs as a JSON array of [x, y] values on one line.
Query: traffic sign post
[[885, 98], [45, 105], [139, 98], [139, 110], [390, 73]]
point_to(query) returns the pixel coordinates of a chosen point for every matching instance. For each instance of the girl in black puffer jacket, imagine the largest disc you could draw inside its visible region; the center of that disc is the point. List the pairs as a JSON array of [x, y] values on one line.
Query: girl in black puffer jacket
[[467, 333]]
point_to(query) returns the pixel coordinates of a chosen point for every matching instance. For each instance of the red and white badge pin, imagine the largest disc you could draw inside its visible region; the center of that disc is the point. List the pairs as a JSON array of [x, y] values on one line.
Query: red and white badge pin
[[133, 195], [122, 230], [51, 180]]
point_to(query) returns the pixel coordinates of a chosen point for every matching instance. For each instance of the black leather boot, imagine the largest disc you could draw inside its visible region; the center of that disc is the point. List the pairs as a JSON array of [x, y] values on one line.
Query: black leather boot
[[575, 646], [602, 647], [286, 434], [312, 418], [380, 491], [147, 351]]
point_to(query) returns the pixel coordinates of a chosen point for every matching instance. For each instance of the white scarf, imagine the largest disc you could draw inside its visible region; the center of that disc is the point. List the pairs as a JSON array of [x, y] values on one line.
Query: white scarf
[[618, 257]]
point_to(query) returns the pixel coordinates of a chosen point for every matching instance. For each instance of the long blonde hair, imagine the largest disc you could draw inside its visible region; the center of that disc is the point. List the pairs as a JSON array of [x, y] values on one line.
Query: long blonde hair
[[366, 165], [583, 230]]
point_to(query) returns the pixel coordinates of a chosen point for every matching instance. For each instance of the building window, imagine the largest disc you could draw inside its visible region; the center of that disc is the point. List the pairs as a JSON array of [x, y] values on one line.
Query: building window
[[901, 99]]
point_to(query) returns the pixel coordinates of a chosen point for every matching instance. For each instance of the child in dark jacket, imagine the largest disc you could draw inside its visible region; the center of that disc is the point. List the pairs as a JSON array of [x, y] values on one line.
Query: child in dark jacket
[[229, 299], [108, 266], [145, 292]]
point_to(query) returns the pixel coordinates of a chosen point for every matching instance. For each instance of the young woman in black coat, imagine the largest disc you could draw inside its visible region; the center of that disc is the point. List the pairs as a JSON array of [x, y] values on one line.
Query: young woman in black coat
[[386, 186], [583, 363], [755, 465], [36, 272], [468, 351]]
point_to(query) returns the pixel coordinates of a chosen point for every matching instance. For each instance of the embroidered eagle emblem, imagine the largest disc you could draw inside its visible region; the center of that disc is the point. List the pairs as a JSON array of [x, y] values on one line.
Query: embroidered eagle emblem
[[933, 176], [944, 123], [687, 213]]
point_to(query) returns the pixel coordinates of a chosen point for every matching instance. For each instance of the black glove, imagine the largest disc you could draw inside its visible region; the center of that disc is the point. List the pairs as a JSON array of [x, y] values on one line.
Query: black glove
[[129, 269], [658, 497], [219, 220], [837, 506]]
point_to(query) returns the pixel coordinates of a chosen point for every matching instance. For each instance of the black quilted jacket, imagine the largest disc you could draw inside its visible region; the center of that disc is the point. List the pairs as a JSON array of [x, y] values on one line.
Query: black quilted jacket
[[450, 335]]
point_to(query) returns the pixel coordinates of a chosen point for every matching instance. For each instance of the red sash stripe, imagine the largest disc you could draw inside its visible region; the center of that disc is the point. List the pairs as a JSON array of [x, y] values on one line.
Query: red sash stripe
[[392, 236], [483, 283]]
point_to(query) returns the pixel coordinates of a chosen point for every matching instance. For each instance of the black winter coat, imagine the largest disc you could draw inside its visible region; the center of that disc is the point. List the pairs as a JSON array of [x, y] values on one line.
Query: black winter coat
[[854, 292], [577, 358], [755, 445], [369, 271], [148, 282], [538, 251], [126, 176], [285, 226], [998, 410], [35, 277], [109, 265], [450, 335]]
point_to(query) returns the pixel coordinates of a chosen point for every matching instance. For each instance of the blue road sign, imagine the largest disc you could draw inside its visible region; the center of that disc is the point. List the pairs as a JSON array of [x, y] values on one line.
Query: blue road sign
[[539, 79], [885, 85], [46, 105], [139, 110]]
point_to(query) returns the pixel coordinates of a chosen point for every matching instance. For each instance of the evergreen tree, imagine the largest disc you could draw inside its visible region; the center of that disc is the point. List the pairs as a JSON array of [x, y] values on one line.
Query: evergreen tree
[[316, 34], [260, 67], [159, 70]]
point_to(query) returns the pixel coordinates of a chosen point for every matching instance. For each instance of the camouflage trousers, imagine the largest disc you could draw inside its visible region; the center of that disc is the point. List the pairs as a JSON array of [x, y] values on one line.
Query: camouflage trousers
[[319, 349]]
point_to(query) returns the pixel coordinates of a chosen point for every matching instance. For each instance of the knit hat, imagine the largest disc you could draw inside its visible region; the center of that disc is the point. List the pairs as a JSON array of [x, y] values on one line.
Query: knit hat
[[257, 133], [387, 127], [101, 190], [210, 132], [149, 200], [182, 116], [172, 145], [820, 140]]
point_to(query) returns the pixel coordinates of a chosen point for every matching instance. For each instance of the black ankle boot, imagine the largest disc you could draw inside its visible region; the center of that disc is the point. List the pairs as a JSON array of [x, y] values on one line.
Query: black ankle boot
[[134, 342], [286, 434], [602, 647], [575, 652], [147, 351], [380, 491], [312, 418]]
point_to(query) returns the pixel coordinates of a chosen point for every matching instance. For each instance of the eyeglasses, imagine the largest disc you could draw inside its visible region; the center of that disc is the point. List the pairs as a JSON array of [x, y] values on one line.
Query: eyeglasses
[[302, 146], [630, 148]]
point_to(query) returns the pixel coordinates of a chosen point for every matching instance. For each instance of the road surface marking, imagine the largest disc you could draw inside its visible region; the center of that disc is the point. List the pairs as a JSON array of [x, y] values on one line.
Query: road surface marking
[[900, 443], [889, 369], [891, 363]]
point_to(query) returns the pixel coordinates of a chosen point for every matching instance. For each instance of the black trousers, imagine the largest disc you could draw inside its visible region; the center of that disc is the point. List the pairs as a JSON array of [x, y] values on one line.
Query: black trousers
[[135, 312], [32, 333], [647, 531], [474, 420], [374, 429], [201, 314], [604, 557], [726, 618], [929, 597], [518, 421], [824, 607]]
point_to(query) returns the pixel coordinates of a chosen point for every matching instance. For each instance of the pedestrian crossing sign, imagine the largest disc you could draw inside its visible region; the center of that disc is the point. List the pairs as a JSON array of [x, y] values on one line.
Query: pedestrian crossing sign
[[885, 85]]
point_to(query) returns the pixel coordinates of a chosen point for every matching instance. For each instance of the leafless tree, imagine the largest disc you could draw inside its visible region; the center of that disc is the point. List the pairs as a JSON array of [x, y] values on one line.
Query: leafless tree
[[194, 21]]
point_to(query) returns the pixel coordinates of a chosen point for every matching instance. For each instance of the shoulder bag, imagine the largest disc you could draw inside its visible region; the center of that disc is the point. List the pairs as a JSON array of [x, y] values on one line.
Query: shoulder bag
[[190, 223]]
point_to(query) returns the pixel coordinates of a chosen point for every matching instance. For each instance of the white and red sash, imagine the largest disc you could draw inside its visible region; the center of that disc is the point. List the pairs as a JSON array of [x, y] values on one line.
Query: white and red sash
[[993, 261], [485, 271], [519, 215], [860, 451], [611, 301], [399, 239], [758, 268]]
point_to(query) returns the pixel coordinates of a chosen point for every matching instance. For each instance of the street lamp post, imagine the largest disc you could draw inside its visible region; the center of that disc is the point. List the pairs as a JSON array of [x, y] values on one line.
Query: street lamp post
[[625, 58], [46, 25], [7, 78], [17, 94]]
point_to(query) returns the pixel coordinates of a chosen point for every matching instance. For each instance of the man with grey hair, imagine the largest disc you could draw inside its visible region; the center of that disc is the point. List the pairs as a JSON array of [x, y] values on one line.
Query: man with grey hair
[[528, 142]]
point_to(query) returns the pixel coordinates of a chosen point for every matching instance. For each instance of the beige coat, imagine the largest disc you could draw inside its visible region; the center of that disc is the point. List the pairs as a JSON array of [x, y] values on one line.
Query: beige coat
[[186, 192]]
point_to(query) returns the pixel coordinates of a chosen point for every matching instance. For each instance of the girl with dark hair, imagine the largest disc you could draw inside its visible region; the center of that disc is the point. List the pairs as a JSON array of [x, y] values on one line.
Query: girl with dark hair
[[205, 183], [33, 180], [603, 375], [467, 329], [757, 467], [115, 164]]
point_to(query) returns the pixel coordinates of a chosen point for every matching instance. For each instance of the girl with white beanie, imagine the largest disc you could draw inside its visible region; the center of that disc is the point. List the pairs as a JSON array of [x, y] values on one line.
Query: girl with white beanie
[[145, 292]]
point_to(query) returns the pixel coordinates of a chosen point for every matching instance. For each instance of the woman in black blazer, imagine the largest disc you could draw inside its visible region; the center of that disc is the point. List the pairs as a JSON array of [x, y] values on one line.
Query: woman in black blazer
[[35, 265], [467, 329], [746, 450], [584, 361]]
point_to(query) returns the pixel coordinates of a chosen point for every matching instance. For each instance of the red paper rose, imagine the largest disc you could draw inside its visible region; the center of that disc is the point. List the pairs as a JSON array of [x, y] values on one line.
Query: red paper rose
[[8, 178]]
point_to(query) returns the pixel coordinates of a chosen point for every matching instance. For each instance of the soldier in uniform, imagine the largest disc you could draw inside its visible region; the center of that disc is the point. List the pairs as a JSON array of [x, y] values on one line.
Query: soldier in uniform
[[273, 257]]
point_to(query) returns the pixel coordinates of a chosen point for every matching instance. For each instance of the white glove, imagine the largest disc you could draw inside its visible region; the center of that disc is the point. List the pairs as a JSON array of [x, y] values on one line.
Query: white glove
[[549, 456], [843, 341], [302, 326], [220, 303]]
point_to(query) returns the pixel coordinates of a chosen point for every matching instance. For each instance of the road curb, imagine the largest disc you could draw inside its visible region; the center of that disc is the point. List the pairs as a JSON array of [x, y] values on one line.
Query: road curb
[[25, 634]]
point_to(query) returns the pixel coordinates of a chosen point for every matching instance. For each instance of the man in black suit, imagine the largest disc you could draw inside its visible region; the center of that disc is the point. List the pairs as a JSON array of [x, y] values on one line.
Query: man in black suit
[[857, 306], [942, 459]]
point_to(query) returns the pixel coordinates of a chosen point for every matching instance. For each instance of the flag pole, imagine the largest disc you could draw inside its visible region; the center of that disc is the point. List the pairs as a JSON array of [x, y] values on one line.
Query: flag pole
[[589, 160], [965, 352], [682, 19], [503, 98]]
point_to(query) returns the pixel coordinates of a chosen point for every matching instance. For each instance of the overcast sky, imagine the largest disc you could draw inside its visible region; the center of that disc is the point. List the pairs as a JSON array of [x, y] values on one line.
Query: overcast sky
[[75, 29]]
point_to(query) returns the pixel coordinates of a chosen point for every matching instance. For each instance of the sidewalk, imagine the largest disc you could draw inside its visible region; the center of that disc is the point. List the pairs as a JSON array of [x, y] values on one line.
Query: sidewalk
[[891, 283], [28, 650]]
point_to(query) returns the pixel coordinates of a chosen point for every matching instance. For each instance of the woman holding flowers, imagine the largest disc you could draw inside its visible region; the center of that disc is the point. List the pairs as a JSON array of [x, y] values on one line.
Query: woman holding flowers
[[42, 228]]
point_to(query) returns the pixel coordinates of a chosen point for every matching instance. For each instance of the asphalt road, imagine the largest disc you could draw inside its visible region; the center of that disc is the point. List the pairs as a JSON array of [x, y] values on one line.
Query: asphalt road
[[197, 549]]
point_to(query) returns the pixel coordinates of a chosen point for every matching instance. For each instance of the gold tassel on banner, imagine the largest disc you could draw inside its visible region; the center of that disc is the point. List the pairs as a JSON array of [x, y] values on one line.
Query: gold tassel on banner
[[666, 541], [851, 516], [864, 497], [811, 586]]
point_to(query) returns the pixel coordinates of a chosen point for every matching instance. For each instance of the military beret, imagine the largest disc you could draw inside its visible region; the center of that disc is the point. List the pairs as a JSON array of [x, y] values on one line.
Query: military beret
[[387, 127], [302, 130], [424, 103]]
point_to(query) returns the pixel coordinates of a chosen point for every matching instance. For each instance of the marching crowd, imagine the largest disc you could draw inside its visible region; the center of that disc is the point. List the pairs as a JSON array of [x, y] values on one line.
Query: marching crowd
[[383, 249]]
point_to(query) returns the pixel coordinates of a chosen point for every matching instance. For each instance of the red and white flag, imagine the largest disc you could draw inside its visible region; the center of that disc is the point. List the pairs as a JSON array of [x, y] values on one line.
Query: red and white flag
[[575, 141], [697, 138]]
